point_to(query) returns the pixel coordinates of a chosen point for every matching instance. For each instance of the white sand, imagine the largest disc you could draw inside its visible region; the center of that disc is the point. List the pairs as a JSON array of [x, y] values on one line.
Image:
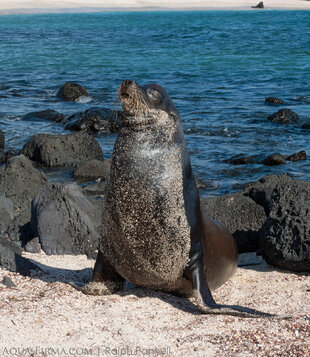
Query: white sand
[[43, 312], [35, 6]]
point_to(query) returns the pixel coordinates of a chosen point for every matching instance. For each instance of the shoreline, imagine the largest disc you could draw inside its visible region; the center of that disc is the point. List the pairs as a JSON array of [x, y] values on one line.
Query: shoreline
[[19, 7]]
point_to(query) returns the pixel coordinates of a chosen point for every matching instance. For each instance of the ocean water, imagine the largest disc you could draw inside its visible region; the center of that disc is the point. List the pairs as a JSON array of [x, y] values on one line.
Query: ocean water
[[218, 66]]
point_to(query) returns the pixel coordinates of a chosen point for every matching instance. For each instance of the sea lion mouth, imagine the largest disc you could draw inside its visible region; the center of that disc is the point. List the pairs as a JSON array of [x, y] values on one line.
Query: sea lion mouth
[[133, 100]]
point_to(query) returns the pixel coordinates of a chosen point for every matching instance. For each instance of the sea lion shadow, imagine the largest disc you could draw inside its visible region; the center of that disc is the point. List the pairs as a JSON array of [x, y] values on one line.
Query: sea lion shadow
[[50, 274], [179, 302]]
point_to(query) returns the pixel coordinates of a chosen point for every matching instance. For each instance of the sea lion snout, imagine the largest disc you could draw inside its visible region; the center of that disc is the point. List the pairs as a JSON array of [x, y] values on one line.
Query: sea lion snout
[[126, 84]]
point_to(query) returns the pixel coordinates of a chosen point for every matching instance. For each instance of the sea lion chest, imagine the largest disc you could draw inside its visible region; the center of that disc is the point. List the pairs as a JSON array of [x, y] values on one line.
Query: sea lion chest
[[146, 234]]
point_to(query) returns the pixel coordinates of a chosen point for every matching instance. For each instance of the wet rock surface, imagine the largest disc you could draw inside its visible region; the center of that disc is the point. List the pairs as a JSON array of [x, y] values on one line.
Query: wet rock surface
[[240, 215], [94, 120], [2, 140], [285, 241], [62, 150], [274, 159], [284, 116], [71, 91], [274, 101], [48, 114], [65, 221]]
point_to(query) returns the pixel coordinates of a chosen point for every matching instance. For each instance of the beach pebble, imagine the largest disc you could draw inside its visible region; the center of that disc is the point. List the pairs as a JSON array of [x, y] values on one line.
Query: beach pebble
[[7, 281]]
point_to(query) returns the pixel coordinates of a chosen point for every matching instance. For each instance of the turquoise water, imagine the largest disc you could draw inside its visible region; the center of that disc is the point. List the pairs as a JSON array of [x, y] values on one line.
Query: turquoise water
[[218, 66]]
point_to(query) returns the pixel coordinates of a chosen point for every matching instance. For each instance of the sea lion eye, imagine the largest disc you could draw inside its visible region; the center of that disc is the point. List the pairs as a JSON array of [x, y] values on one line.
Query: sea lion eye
[[153, 94], [173, 116]]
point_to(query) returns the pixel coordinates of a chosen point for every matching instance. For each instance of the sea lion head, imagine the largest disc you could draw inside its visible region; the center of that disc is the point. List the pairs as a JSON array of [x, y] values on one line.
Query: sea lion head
[[146, 105]]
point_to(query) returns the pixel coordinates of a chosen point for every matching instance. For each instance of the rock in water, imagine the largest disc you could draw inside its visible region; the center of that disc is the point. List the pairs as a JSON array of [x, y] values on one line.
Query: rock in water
[[48, 114], [2, 141], [71, 91], [62, 150], [284, 116], [285, 239], [274, 101], [94, 120], [65, 221]]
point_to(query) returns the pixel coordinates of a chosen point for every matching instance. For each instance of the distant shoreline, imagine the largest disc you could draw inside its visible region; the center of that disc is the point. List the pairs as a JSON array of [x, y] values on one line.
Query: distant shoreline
[[82, 6]]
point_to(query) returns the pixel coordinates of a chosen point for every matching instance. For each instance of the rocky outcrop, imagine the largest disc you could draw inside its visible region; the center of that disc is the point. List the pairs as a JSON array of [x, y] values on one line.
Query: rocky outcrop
[[271, 160], [92, 170], [299, 156], [274, 101], [261, 191], [240, 215], [2, 140], [48, 114], [71, 91], [19, 183], [274, 159], [260, 5], [11, 259], [284, 116], [62, 150], [65, 221], [94, 120], [285, 241]]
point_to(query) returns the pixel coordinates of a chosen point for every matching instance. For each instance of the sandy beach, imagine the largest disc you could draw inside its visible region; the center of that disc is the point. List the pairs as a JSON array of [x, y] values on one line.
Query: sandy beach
[[43, 313], [42, 6]]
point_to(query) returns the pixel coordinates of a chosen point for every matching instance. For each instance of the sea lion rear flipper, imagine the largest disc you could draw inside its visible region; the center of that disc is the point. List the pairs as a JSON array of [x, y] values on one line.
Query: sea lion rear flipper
[[105, 279], [205, 301]]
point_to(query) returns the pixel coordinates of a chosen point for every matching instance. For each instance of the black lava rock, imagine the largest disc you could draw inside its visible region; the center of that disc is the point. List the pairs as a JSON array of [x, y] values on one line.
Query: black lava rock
[[258, 6], [284, 116], [274, 101], [261, 191], [19, 183], [242, 159], [94, 120], [71, 91], [48, 114], [92, 170], [299, 156], [65, 221], [5, 156], [33, 246], [274, 159], [62, 150], [240, 215], [2, 140], [11, 259], [285, 236]]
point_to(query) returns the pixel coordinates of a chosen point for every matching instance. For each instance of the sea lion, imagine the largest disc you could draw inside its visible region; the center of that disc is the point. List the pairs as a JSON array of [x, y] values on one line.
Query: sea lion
[[154, 233]]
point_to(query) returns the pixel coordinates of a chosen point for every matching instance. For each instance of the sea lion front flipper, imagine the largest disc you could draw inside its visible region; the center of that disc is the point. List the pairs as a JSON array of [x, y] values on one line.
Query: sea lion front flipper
[[206, 303], [105, 279]]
